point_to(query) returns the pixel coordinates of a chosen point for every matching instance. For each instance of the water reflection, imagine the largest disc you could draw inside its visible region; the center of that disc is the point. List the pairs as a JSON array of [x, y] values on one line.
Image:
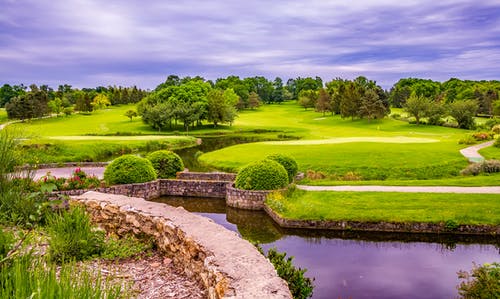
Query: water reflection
[[360, 264]]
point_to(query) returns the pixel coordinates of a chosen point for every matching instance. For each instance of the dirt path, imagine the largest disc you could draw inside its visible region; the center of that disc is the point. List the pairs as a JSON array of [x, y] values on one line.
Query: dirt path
[[472, 153], [410, 189]]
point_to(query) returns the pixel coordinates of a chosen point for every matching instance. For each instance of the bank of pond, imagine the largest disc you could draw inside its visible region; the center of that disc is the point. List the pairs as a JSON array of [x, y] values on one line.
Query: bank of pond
[[351, 264]]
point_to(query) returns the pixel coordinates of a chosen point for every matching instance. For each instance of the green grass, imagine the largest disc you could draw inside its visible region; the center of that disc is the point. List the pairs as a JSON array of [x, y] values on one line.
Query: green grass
[[3, 116], [390, 207], [491, 152], [37, 151], [481, 180]]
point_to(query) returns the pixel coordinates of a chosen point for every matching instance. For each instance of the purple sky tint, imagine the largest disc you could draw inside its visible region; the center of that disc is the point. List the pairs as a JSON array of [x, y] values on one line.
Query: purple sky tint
[[87, 43]]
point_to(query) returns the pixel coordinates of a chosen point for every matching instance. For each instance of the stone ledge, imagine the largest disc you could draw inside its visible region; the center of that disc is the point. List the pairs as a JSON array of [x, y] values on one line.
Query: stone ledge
[[228, 266], [246, 199], [415, 227], [206, 176]]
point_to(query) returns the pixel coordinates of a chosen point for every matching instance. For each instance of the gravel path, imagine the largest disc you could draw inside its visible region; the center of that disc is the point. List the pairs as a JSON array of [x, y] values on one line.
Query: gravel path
[[410, 189], [472, 153]]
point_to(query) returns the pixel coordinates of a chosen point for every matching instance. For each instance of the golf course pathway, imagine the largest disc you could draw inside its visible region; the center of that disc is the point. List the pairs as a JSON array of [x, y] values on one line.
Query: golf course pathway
[[472, 153]]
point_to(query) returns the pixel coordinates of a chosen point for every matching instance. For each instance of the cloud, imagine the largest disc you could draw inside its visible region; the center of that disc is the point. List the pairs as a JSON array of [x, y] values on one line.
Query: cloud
[[82, 42]]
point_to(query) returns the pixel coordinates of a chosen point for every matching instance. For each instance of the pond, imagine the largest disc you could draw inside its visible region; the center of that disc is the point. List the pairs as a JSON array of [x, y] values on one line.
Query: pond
[[359, 265]]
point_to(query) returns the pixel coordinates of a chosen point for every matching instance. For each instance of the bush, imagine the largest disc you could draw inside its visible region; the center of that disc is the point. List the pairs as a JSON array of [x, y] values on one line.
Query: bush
[[300, 286], [166, 163], [496, 129], [468, 139], [129, 169], [480, 136], [72, 236], [488, 166], [481, 282], [288, 162], [262, 175]]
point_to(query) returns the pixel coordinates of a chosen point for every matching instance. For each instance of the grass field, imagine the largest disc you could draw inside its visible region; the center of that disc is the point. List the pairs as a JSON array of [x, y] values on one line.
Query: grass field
[[491, 152], [390, 207], [383, 149], [3, 116]]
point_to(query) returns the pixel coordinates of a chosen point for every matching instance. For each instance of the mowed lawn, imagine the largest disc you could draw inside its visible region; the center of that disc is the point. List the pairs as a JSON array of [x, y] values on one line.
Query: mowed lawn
[[101, 122], [383, 149], [491, 152], [3, 116], [389, 206]]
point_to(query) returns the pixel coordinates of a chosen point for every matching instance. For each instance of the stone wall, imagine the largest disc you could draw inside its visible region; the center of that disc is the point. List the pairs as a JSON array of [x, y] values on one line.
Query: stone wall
[[199, 188], [402, 227], [228, 266], [245, 199], [206, 176]]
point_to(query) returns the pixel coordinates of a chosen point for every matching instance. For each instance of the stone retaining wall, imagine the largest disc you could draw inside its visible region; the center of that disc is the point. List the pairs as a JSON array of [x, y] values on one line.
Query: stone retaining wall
[[199, 188], [206, 176], [415, 227], [228, 266], [245, 199]]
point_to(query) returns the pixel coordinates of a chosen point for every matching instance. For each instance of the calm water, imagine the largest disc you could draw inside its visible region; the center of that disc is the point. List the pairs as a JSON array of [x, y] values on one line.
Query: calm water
[[359, 265]]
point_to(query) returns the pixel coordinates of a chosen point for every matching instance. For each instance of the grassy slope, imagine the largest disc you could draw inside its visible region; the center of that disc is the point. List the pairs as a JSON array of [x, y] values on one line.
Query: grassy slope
[[371, 160], [392, 207], [491, 152]]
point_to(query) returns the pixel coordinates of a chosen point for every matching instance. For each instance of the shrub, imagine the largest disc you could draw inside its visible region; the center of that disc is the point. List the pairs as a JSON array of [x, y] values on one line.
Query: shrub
[[129, 169], [72, 236], [166, 163], [492, 122], [262, 175], [480, 136], [496, 129], [497, 143], [488, 166], [300, 286], [288, 162], [468, 139], [481, 282]]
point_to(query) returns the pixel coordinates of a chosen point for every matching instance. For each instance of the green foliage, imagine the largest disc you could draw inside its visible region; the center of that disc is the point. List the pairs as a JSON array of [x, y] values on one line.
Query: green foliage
[[165, 163], [488, 166], [19, 207], [482, 136], [262, 175], [30, 277], [300, 286], [450, 225], [72, 236], [288, 163], [482, 282], [131, 114], [129, 169], [463, 112], [6, 241], [128, 246], [78, 180], [467, 139], [417, 106]]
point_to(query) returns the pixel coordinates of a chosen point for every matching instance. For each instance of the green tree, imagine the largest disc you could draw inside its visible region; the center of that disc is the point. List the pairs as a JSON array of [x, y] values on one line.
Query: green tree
[[253, 100], [56, 106], [308, 98], [100, 101], [130, 114], [158, 116], [221, 106], [323, 104], [350, 100], [417, 106], [372, 106], [463, 111]]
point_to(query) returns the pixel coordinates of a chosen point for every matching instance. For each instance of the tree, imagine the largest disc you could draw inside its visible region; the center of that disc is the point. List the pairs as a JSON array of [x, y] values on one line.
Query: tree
[[417, 106], [83, 102], [100, 101], [253, 100], [463, 111], [158, 116], [323, 104], [56, 106], [372, 107], [221, 106], [435, 112], [350, 100], [130, 114], [307, 98]]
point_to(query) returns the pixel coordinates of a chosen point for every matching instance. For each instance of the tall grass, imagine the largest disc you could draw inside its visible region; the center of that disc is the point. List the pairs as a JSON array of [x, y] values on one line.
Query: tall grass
[[30, 277]]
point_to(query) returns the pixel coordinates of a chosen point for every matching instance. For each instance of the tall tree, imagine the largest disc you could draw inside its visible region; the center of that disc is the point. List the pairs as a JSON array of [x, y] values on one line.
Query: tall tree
[[323, 104], [372, 107], [463, 111], [417, 106]]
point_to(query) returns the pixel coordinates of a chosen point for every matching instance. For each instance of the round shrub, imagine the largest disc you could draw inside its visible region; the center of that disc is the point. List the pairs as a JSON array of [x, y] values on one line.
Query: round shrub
[[166, 163], [129, 169], [262, 175], [288, 162]]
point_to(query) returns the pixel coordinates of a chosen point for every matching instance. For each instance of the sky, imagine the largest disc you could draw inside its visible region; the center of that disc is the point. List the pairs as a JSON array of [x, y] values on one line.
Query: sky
[[136, 42]]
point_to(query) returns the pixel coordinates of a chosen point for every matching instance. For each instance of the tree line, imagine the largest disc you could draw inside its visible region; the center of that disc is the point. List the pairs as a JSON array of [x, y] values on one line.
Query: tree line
[[38, 101]]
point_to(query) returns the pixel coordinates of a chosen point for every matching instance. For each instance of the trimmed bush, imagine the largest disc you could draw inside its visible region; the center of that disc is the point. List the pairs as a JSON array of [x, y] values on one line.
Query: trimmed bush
[[166, 163], [129, 169], [288, 162], [262, 175]]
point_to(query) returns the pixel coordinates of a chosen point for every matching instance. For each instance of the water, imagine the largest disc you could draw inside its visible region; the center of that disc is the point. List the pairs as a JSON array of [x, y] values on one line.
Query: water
[[359, 265]]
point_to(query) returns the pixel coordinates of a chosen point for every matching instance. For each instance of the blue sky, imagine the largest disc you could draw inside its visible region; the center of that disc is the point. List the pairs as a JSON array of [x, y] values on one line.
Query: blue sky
[[134, 42]]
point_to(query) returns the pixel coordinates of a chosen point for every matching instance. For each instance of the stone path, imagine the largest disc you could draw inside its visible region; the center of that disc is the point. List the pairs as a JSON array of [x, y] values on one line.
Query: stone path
[[472, 153], [410, 189], [66, 172]]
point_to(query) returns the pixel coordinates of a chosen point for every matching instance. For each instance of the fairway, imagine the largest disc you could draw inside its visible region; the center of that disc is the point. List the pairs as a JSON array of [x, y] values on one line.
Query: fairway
[[400, 139]]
